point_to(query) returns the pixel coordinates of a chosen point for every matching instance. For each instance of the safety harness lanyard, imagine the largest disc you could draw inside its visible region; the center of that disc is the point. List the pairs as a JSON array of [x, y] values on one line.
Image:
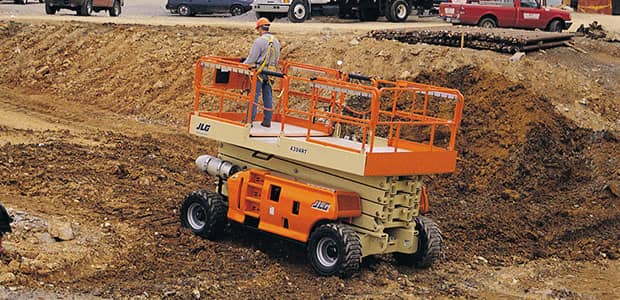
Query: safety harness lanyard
[[267, 56]]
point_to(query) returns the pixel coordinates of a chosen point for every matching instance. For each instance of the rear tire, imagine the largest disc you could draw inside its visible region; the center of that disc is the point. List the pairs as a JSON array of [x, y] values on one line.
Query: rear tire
[[236, 10], [115, 11], [205, 214], [184, 10], [487, 23], [298, 11], [86, 9], [49, 9], [399, 11], [334, 249], [367, 12], [430, 241]]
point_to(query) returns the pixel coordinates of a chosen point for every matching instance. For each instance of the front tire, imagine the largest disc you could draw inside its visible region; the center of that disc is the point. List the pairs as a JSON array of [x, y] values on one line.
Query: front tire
[[205, 214], [334, 249], [430, 241], [487, 23], [298, 12], [555, 26], [115, 11]]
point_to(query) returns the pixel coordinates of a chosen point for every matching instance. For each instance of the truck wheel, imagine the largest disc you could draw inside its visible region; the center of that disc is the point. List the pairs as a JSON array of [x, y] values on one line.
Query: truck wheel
[[49, 9], [334, 249], [298, 11], [368, 13], [204, 213], [86, 9], [345, 10], [115, 11], [268, 16], [184, 10], [399, 11], [237, 10], [429, 245], [41, 1], [555, 26], [487, 23]]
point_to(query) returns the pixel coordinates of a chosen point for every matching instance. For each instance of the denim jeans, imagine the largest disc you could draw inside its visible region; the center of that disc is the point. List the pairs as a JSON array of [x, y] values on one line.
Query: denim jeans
[[267, 99]]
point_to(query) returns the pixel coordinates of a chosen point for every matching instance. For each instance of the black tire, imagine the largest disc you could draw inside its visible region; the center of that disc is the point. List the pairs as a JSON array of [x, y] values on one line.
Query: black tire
[[345, 10], [236, 10], [334, 249], [556, 26], [367, 12], [21, 1], [49, 9], [388, 14], [205, 214], [430, 241], [115, 11], [399, 11], [41, 1], [268, 16], [298, 11], [487, 23], [185, 11], [86, 9]]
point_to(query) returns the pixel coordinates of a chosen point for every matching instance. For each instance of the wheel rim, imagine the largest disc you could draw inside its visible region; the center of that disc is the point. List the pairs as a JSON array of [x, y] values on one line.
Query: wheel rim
[[196, 216], [299, 11], [117, 8], [327, 252], [184, 10], [401, 11], [236, 11], [487, 24], [89, 7]]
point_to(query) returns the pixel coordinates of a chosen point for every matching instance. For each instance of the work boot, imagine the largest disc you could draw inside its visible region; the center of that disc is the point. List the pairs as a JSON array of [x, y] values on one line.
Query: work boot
[[268, 125]]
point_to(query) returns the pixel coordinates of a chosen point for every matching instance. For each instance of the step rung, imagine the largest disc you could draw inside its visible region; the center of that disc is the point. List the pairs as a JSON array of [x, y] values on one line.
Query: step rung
[[252, 199]]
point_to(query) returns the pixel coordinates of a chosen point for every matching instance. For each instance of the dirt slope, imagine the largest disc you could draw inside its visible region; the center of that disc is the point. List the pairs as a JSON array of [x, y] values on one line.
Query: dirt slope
[[92, 134]]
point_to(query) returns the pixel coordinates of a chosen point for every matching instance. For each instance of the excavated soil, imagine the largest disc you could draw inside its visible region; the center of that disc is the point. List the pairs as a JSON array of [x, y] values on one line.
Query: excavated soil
[[92, 136]]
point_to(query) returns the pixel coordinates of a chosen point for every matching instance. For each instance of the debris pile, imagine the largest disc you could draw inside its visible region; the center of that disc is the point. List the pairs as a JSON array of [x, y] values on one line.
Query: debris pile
[[597, 32], [500, 40]]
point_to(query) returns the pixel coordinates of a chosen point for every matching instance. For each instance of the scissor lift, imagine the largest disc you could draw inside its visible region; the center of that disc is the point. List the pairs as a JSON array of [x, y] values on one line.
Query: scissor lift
[[341, 131]]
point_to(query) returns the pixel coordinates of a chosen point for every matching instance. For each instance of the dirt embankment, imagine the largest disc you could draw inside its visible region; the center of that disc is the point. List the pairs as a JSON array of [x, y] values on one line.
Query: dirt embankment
[[534, 179]]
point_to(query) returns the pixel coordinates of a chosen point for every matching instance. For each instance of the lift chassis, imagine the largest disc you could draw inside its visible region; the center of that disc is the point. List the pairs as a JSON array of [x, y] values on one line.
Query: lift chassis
[[306, 179]]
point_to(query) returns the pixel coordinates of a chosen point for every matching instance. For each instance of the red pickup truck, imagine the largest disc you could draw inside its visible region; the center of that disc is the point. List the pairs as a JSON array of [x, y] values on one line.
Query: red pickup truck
[[506, 13]]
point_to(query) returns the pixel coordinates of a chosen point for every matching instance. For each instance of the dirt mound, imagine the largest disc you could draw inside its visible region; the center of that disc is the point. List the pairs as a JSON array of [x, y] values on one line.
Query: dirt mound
[[529, 182]]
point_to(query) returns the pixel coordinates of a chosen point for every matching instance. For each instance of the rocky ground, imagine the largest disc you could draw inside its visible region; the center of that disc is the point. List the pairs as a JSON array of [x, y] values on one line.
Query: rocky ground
[[94, 162]]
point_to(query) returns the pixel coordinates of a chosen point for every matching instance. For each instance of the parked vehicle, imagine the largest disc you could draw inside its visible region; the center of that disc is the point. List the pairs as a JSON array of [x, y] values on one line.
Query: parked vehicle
[[25, 1], [192, 7], [528, 14], [85, 7], [298, 11]]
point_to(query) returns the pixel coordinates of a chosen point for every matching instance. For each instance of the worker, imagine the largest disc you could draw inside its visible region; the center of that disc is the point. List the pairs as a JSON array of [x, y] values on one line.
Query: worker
[[5, 224], [264, 55]]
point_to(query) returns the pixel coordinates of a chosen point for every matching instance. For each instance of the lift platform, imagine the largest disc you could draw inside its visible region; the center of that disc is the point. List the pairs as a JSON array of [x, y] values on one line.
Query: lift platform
[[323, 117]]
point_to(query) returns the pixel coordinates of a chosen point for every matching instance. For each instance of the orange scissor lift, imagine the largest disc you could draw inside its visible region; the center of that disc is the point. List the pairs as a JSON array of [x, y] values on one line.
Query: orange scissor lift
[[339, 169]]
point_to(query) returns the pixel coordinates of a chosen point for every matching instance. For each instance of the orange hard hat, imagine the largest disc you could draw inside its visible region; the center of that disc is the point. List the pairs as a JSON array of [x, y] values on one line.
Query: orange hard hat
[[262, 21]]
